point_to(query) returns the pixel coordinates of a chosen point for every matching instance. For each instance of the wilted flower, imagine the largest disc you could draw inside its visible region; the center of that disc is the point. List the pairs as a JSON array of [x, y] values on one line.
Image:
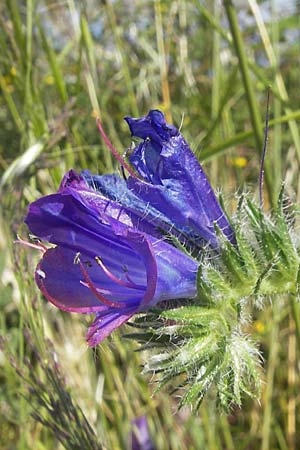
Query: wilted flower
[[110, 255]]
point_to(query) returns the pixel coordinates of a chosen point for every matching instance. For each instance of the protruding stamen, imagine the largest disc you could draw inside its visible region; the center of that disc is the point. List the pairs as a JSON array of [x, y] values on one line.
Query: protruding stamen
[[107, 272], [39, 246], [114, 151]]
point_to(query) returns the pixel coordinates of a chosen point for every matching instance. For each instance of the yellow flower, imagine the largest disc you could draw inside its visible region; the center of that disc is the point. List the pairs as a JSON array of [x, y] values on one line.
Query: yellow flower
[[239, 161], [13, 71], [49, 79], [259, 326]]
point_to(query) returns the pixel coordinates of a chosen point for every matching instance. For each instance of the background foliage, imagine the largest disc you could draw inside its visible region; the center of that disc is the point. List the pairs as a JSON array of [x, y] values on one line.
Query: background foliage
[[207, 65]]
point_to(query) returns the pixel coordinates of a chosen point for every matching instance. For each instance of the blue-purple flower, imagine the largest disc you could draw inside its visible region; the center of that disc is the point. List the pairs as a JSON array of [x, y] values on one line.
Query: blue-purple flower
[[102, 263], [110, 256], [140, 435], [173, 181]]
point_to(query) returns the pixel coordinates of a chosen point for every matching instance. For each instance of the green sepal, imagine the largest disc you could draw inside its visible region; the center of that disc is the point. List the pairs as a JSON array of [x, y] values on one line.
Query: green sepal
[[201, 343]]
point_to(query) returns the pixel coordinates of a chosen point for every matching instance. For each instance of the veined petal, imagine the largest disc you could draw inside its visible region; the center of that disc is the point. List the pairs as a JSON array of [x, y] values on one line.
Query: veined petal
[[60, 279], [143, 215], [83, 188], [68, 223], [174, 182], [61, 282], [176, 271], [104, 324]]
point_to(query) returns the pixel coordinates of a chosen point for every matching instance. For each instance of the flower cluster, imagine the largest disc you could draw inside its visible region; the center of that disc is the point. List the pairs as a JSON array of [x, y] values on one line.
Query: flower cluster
[[113, 253]]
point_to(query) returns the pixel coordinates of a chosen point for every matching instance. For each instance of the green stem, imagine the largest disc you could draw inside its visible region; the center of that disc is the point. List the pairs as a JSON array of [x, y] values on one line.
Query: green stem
[[226, 429], [162, 60], [296, 316], [244, 69], [216, 83], [218, 149], [248, 85], [277, 141], [267, 414], [29, 27], [124, 57]]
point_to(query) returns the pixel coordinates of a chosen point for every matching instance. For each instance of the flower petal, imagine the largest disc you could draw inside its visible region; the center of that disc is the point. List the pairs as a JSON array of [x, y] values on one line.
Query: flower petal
[[177, 185], [64, 220], [104, 324], [176, 273], [59, 278], [102, 263], [142, 214]]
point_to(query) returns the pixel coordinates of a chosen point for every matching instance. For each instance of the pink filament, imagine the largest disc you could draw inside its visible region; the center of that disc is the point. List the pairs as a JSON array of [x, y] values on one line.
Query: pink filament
[[133, 284], [114, 151], [95, 291], [129, 284], [40, 247]]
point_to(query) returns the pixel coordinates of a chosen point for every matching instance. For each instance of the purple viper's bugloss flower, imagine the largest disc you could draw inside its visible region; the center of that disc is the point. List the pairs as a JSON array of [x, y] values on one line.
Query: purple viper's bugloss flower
[[106, 260], [173, 182]]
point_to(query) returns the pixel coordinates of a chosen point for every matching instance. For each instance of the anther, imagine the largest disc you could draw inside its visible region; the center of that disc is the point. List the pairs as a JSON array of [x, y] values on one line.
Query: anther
[[77, 258], [38, 246]]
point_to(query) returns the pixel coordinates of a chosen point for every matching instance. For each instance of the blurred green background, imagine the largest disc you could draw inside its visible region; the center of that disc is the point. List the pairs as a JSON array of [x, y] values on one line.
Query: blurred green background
[[208, 66]]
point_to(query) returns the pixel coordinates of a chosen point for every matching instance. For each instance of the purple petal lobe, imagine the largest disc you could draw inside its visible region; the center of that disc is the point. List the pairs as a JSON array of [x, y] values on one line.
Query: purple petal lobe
[[104, 324], [176, 271], [143, 215], [61, 281], [177, 185], [152, 126]]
